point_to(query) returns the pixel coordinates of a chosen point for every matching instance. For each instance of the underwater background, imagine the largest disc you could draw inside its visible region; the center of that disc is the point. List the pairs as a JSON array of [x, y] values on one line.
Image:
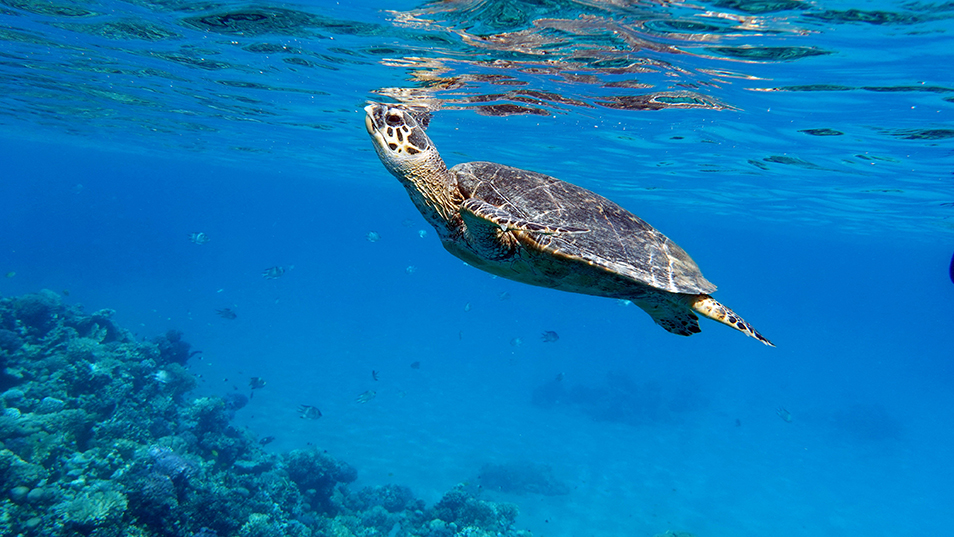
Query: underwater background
[[157, 382]]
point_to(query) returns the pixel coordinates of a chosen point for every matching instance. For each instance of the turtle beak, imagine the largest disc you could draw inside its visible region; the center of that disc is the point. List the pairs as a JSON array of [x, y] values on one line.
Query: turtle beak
[[374, 123], [368, 125], [369, 119]]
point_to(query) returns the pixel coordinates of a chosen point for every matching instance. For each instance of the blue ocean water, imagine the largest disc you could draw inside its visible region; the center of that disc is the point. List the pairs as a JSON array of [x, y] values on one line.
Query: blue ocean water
[[801, 152]]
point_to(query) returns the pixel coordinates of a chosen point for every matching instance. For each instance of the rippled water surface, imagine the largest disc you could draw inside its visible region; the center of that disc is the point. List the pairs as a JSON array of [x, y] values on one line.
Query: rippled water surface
[[833, 113], [801, 151]]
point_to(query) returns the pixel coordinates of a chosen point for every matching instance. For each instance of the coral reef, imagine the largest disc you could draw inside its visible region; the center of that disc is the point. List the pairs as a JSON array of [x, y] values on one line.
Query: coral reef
[[99, 436], [458, 507], [317, 473], [393, 498]]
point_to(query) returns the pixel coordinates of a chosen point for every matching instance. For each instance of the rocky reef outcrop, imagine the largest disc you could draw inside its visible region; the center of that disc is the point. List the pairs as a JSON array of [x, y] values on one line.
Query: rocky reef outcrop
[[100, 436]]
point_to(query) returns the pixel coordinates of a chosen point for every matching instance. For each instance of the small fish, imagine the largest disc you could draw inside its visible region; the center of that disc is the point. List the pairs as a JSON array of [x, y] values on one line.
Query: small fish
[[467, 306], [373, 236], [265, 440], [308, 412], [411, 269], [162, 376], [504, 295], [11, 274], [784, 414], [366, 396], [256, 383], [226, 313], [199, 238], [560, 377], [422, 233], [516, 342], [550, 336], [273, 273], [415, 365], [374, 374]]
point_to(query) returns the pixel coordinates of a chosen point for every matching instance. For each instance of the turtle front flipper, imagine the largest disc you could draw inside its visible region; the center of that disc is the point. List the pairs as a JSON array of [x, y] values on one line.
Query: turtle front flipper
[[714, 310], [487, 227], [507, 222]]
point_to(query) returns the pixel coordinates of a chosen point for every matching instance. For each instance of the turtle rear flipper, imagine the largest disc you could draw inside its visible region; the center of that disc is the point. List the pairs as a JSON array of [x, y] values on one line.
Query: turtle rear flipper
[[677, 320], [714, 310]]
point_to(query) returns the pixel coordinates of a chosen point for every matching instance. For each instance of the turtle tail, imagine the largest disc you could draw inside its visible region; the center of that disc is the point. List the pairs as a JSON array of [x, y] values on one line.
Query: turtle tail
[[713, 309]]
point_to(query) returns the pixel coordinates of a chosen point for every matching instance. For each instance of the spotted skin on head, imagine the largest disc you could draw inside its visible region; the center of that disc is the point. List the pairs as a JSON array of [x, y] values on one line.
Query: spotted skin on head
[[402, 138], [407, 152]]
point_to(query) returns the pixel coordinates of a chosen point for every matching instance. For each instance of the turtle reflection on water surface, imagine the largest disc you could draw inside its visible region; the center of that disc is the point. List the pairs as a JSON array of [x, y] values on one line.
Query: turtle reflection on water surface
[[536, 229]]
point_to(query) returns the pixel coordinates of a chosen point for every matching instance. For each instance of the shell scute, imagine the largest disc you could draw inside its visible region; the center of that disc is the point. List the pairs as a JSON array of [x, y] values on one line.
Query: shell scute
[[617, 240]]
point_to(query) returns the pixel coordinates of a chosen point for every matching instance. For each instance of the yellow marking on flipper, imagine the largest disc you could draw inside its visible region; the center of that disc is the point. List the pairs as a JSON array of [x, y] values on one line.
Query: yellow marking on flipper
[[713, 309]]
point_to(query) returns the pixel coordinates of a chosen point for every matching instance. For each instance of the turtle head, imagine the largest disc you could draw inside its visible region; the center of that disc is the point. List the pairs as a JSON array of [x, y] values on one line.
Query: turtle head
[[400, 141], [404, 149]]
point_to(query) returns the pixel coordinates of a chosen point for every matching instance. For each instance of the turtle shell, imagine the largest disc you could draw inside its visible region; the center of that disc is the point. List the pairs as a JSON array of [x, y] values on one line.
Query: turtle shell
[[618, 241]]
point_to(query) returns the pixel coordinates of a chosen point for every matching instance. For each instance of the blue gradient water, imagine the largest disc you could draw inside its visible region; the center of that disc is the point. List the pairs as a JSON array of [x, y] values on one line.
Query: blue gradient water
[[115, 148]]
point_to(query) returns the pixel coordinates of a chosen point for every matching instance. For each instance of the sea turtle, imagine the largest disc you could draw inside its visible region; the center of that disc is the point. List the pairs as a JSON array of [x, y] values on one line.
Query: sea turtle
[[533, 228]]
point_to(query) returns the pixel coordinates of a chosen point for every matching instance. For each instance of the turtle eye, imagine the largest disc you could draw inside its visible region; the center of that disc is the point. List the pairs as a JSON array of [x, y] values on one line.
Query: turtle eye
[[394, 120]]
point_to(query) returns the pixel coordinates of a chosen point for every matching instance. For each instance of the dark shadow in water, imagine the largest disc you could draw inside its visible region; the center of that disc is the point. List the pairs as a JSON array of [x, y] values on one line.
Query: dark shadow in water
[[867, 422], [623, 400], [522, 477]]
